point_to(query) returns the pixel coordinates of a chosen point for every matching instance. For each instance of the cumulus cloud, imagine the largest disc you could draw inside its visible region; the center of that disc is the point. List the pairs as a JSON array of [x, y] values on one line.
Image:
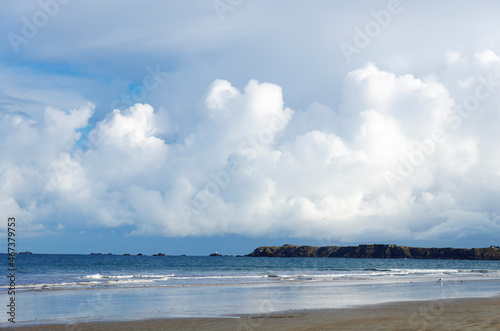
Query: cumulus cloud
[[402, 157]]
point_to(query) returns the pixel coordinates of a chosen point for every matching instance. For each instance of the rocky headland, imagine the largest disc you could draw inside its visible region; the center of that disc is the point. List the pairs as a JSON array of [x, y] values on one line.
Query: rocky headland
[[379, 251]]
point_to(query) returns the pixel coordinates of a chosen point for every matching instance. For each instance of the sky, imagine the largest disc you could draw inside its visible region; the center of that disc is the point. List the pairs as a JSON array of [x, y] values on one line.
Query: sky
[[188, 127]]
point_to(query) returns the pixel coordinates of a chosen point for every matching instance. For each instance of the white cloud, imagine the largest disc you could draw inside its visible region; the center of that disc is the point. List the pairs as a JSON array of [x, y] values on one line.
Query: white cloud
[[486, 57], [253, 166]]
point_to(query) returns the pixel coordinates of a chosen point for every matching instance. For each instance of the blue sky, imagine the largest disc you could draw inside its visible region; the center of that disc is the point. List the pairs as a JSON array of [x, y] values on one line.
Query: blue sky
[[189, 127]]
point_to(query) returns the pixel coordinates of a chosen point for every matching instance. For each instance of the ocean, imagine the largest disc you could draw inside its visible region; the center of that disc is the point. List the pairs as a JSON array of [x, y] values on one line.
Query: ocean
[[54, 288]]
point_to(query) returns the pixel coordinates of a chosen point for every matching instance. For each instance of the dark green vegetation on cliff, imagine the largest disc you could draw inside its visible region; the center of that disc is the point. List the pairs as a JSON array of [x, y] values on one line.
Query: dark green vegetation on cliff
[[379, 251]]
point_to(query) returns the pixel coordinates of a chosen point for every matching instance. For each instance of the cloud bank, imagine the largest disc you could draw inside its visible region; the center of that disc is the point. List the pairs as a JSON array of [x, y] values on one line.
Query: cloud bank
[[401, 157]]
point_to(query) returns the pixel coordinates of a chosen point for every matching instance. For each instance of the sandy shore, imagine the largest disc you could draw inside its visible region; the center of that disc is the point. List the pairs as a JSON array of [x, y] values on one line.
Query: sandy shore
[[451, 314]]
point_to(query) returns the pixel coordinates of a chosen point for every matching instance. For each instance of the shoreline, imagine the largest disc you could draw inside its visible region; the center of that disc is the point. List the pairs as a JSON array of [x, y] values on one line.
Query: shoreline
[[456, 314]]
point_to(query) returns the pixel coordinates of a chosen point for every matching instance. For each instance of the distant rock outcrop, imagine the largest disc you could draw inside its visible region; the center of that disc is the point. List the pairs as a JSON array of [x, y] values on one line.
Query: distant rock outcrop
[[379, 251], [215, 254]]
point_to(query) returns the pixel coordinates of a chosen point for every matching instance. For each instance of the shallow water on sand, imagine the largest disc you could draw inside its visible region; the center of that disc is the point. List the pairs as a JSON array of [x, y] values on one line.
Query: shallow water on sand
[[80, 288]]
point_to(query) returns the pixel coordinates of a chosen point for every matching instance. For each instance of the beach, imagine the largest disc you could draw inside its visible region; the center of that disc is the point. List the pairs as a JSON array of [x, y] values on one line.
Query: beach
[[224, 293], [250, 165], [447, 314]]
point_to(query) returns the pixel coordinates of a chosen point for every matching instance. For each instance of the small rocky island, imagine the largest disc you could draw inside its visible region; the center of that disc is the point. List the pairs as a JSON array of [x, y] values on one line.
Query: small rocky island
[[379, 251]]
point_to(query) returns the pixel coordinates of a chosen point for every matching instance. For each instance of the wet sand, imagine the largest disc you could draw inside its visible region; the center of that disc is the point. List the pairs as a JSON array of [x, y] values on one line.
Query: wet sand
[[449, 314]]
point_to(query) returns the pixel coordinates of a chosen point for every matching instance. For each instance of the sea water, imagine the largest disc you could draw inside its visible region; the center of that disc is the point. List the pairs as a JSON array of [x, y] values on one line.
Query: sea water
[[54, 288]]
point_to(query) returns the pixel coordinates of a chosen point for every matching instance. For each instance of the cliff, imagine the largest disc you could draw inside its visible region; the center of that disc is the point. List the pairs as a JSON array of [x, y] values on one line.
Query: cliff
[[379, 251]]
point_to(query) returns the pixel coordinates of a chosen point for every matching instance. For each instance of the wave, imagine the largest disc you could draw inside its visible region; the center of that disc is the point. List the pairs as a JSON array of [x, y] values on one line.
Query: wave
[[220, 278], [354, 274], [99, 276]]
